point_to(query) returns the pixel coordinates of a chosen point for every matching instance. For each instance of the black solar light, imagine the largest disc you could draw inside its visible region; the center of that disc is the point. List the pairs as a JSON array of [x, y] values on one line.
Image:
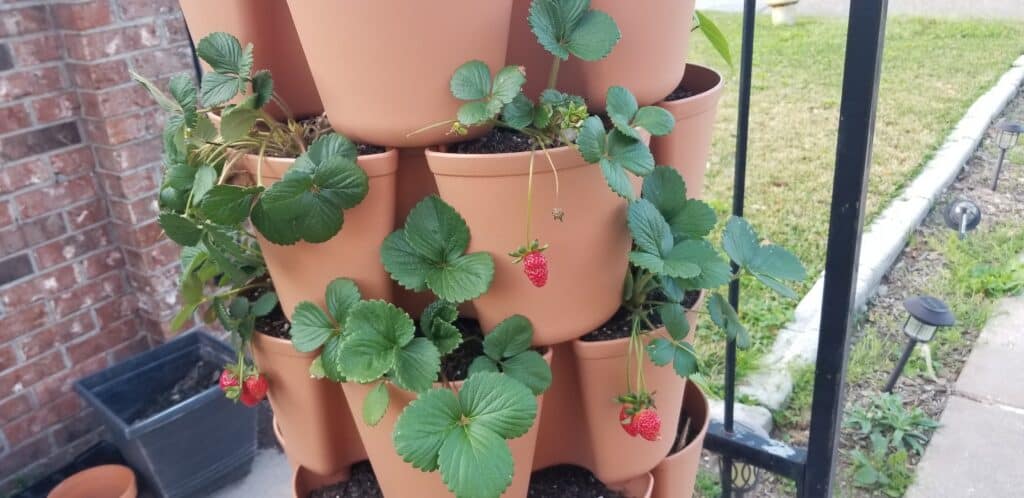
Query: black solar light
[[1007, 133], [963, 216], [927, 315], [744, 479]]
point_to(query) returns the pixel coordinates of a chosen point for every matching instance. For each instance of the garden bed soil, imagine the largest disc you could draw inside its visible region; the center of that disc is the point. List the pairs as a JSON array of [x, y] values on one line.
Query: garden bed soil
[[202, 376], [496, 141], [565, 481], [618, 326]]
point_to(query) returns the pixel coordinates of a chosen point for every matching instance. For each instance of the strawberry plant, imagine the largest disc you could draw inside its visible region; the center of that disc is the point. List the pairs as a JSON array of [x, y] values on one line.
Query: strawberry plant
[[671, 256]]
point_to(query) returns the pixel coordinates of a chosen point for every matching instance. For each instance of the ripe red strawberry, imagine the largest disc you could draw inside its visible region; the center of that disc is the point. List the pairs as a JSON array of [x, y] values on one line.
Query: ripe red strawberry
[[255, 387], [647, 424], [535, 265], [248, 399], [227, 380], [627, 421]]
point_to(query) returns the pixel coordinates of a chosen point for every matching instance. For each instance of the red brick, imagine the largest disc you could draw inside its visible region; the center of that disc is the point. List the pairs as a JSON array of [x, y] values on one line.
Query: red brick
[[56, 386], [29, 233], [130, 348], [82, 428], [23, 429], [18, 379], [15, 323], [131, 9], [43, 200], [39, 140], [137, 237], [129, 156], [38, 288], [73, 162], [6, 216], [14, 117], [24, 20], [110, 42], [24, 174], [18, 459], [121, 129], [115, 311], [176, 31], [134, 212], [39, 81], [8, 358], [60, 333], [161, 255], [108, 338], [98, 264], [99, 75], [55, 108], [72, 247], [131, 185], [14, 407], [114, 101], [86, 214], [164, 62], [82, 16], [86, 295], [37, 50]]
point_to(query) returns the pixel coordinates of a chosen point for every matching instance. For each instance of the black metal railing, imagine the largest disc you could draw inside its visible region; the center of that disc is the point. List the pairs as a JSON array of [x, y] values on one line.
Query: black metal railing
[[813, 468]]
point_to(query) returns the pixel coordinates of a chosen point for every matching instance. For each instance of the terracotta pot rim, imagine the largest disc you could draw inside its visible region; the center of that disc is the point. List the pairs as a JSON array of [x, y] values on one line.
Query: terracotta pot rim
[[277, 431], [278, 346], [705, 100], [693, 446], [548, 356], [565, 158], [596, 350], [104, 472], [648, 489], [375, 165], [320, 480]]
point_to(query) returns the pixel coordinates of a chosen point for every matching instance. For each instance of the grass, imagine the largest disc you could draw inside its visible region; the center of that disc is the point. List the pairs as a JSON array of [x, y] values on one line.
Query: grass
[[932, 71]]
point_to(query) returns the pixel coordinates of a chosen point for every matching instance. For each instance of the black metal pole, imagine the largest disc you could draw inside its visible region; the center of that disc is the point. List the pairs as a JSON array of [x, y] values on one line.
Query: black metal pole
[[999, 169], [864, 41], [739, 187], [895, 375], [196, 66]]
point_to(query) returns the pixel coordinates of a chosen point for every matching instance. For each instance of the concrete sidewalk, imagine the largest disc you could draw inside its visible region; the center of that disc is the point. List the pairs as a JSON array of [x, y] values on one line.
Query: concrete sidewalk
[[986, 9], [979, 450]]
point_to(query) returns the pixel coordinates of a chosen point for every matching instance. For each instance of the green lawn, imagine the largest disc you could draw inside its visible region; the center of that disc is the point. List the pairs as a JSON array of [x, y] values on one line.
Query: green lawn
[[933, 70]]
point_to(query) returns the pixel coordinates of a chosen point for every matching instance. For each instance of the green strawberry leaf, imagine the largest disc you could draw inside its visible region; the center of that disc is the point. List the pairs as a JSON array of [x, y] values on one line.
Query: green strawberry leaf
[[740, 241], [498, 403], [424, 425], [621, 107], [530, 369], [475, 462], [262, 88], [375, 405], [229, 204], [311, 327], [483, 364], [332, 358], [237, 122], [617, 179], [680, 354], [166, 103], [655, 120], [724, 316], [509, 338], [375, 331], [508, 84], [330, 146], [630, 154], [592, 140], [180, 229], [417, 365], [594, 36], [265, 304], [471, 81], [316, 369], [180, 176], [769, 263], [204, 180], [223, 53], [184, 93], [519, 113], [473, 113], [674, 317], [714, 35], [651, 233], [404, 263], [436, 324], [216, 88], [714, 271], [342, 294]]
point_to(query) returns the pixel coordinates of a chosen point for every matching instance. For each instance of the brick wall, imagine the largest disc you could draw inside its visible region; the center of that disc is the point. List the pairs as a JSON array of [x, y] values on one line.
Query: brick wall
[[85, 278]]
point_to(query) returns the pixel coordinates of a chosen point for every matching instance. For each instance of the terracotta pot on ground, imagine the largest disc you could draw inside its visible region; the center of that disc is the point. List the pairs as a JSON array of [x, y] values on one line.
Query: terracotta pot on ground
[[562, 439], [302, 271], [637, 487], [383, 66], [615, 455], [676, 476], [588, 250], [686, 149], [269, 28], [400, 479], [105, 481], [311, 414], [305, 482], [649, 59]]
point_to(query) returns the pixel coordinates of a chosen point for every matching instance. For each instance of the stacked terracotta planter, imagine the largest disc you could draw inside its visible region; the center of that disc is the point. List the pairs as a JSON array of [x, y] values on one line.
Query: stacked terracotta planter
[[381, 69]]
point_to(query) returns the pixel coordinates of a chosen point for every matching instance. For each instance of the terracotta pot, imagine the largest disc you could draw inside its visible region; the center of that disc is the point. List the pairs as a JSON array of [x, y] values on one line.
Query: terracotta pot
[[305, 481], [686, 149], [310, 413], [676, 476], [414, 183], [399, 479], [105, 481], [649, 59], [588, 251], [562, 439], [637, 487], [383, 66], [275, 45], [600, 366], [302, 271], [280, 441]]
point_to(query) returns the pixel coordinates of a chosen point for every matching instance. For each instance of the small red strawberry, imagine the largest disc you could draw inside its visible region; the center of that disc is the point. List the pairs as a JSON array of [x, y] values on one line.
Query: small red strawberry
[[535, 265], [248, 399], [227, 380], [255, 388], [647, 424], [627, 421]]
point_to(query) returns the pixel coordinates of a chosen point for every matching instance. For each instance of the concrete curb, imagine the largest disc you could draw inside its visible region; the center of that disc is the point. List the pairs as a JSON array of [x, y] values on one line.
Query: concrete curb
[[797, 343]]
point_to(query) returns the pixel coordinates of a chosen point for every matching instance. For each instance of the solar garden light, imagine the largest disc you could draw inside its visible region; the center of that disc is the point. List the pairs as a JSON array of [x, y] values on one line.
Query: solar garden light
[[1007, 134], [927, 315], [963, 216]]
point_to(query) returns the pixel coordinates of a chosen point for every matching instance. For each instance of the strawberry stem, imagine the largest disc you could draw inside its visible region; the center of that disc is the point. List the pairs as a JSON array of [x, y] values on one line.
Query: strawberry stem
[[529, 199]]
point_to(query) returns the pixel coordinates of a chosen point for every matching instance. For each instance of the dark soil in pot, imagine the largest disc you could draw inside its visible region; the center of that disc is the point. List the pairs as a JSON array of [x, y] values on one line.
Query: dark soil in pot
[[456, 364], [680, 93], [202, 376], [273, 324], [497, 141], [564, 481], [618, 326], [362, 483]]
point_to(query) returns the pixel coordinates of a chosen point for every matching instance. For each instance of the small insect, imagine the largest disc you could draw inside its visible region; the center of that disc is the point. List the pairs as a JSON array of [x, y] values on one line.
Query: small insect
[[558, 214]]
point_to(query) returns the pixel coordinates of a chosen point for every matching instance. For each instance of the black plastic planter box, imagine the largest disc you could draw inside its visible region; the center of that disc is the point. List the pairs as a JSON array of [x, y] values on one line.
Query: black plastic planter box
[[190, 448]]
